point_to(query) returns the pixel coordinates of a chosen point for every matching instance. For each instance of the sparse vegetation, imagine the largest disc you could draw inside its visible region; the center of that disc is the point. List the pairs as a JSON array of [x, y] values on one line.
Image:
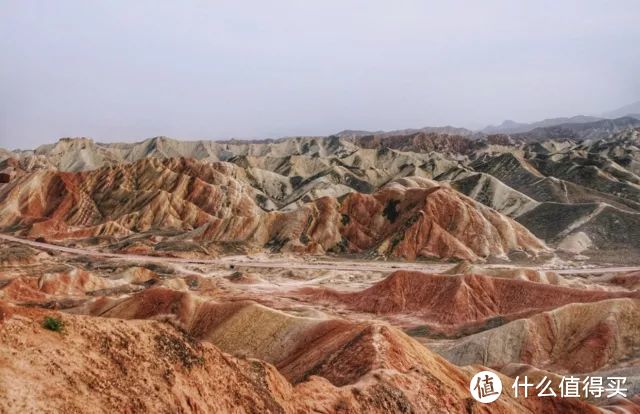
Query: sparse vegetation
[[423, 331], [276, 244], [341, 247], [184, 350], [390, 212], [53, 324], [495, 322], [396, 240]]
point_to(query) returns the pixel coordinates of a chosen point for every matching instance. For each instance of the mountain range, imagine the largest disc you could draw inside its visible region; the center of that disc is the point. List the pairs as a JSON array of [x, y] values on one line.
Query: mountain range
[[358, 272], [222, 192]]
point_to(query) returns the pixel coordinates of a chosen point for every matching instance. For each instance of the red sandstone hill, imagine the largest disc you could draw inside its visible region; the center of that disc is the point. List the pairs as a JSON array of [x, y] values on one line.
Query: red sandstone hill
[[455, 300], [69, 284], [629, 280], [212, 204], [175, 193], [101, 365], [428, 220], [576, 338], [338, 350]]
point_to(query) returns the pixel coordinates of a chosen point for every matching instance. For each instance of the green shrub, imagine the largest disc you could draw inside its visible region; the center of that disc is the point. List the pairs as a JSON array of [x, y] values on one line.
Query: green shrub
[[53, 324]]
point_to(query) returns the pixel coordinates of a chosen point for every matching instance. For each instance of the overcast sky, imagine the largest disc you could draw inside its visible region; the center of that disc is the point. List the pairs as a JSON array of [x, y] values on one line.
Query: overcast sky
[[128, 70]]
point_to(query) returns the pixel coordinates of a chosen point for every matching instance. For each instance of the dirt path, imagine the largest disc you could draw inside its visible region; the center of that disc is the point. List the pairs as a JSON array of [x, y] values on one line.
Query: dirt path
[[278, 263]]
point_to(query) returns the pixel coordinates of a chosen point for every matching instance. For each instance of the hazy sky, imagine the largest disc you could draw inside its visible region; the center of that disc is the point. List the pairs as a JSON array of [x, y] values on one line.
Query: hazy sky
[[128, 70]]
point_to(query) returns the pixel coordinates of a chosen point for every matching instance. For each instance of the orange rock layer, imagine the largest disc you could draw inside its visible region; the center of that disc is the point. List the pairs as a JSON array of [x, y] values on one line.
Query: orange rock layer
[[212, 204]]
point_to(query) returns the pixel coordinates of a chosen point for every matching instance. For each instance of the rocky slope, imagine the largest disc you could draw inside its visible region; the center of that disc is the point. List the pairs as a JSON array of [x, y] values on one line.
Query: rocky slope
[[201, 337], [213, 204], [95, 363], [480, 301], [576, 338], [530, 182]]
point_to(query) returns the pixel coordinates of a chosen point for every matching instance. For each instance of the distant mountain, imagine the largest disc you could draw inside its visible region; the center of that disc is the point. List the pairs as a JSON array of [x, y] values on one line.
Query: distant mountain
[[580, 131], [506, 127], [354, 133], [512, 127], [632, 110], [420, 141], [4, 154], [445, 130], [83, 154]]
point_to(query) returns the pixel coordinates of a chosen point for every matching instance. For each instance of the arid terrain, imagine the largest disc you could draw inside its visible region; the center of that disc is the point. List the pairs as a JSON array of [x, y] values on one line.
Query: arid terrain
[[354, 273]]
